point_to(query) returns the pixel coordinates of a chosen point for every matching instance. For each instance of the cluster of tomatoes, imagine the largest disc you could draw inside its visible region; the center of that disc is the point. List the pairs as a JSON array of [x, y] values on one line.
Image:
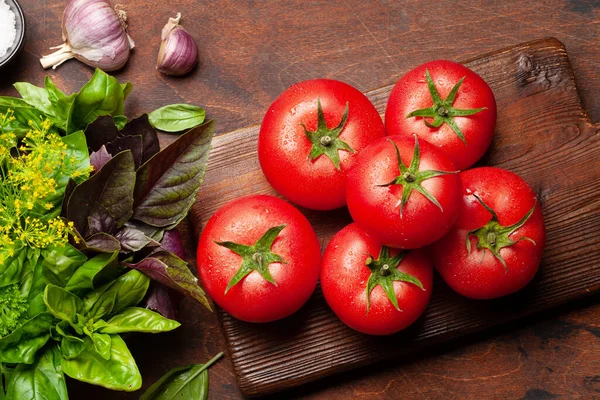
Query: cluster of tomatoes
[[323, 145]]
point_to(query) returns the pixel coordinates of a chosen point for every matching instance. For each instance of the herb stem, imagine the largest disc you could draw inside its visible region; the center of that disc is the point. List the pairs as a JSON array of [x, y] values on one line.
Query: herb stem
[[213, 360]]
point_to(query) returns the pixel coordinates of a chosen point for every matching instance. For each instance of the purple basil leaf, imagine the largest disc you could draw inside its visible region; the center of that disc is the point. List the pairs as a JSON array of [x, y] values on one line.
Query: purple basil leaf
[[99, 158], [141, 126], [110, 188], [132, 143], [166, 185], [163, 300], [68, 191], [150, 231], [100, 220], [102, 242], [173, 272], [132, 239], [101, 131], [172, 242]]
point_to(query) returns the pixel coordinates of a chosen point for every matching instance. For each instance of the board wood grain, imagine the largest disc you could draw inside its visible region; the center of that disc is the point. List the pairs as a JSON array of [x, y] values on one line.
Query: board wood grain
[[543, 134]]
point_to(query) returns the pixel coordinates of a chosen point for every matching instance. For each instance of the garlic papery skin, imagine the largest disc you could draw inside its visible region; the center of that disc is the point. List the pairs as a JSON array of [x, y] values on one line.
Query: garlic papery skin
[[178, 52], [95, 34]]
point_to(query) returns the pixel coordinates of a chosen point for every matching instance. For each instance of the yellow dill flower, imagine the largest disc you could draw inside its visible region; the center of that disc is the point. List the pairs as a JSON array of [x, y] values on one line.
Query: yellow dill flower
[[29, 184]]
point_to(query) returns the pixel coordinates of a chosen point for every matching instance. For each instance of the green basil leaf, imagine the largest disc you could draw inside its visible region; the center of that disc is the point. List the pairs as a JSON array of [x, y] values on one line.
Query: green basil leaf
[[36, 293], [61, 329], [109, 190], [42, 380], [62, 304], [190, 383], [176, 117], [103, 306], [23, 113], [33, 282], [126, 87], [34, 96], [91, 273], [77, 153], [5, 374], [62, 261], [167, 184], [136, 319], [120, 372], [77, 150], [130, 289], [51, 277], [36, 328], [102, 95], [61, 103], [173, 272], [54, 93], [71, 347], [99, 325], [28, 270], [102, 343], [120, 121], [24, 351], [11, 268]]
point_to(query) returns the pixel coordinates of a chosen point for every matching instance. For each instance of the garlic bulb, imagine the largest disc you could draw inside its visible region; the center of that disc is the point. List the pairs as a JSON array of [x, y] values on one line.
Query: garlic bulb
[[95, 34], [178, 52]]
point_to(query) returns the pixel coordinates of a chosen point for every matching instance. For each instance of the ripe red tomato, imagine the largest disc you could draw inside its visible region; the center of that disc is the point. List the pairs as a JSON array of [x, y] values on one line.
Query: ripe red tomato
[[503, 222], [310, 138], [446, 104], [355, 264], [259, 258], [407, 204]]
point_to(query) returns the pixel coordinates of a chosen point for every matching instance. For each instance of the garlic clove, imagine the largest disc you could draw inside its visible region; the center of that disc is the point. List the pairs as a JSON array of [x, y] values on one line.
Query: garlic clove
[[178, 52]]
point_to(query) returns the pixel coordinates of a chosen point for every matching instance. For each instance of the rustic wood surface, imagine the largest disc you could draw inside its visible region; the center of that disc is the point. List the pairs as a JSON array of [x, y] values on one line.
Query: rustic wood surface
[[251, 51]]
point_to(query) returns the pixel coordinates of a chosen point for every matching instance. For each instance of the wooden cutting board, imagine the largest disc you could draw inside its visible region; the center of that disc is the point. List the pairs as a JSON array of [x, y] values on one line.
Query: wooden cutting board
[[543, 134]]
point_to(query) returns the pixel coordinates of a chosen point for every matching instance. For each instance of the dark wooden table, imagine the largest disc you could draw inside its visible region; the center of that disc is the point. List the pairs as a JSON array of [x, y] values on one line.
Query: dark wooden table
[[250, 51]]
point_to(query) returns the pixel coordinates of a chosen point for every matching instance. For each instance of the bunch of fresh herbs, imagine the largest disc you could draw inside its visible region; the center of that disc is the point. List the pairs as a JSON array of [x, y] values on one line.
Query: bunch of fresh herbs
[[88, 250]]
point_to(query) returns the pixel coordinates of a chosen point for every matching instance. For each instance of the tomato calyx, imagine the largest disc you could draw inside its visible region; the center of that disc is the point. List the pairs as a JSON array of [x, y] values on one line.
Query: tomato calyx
[[256, 257], [411, 178], [384, 271], [326, 141], [493, 236], [442, 111]]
